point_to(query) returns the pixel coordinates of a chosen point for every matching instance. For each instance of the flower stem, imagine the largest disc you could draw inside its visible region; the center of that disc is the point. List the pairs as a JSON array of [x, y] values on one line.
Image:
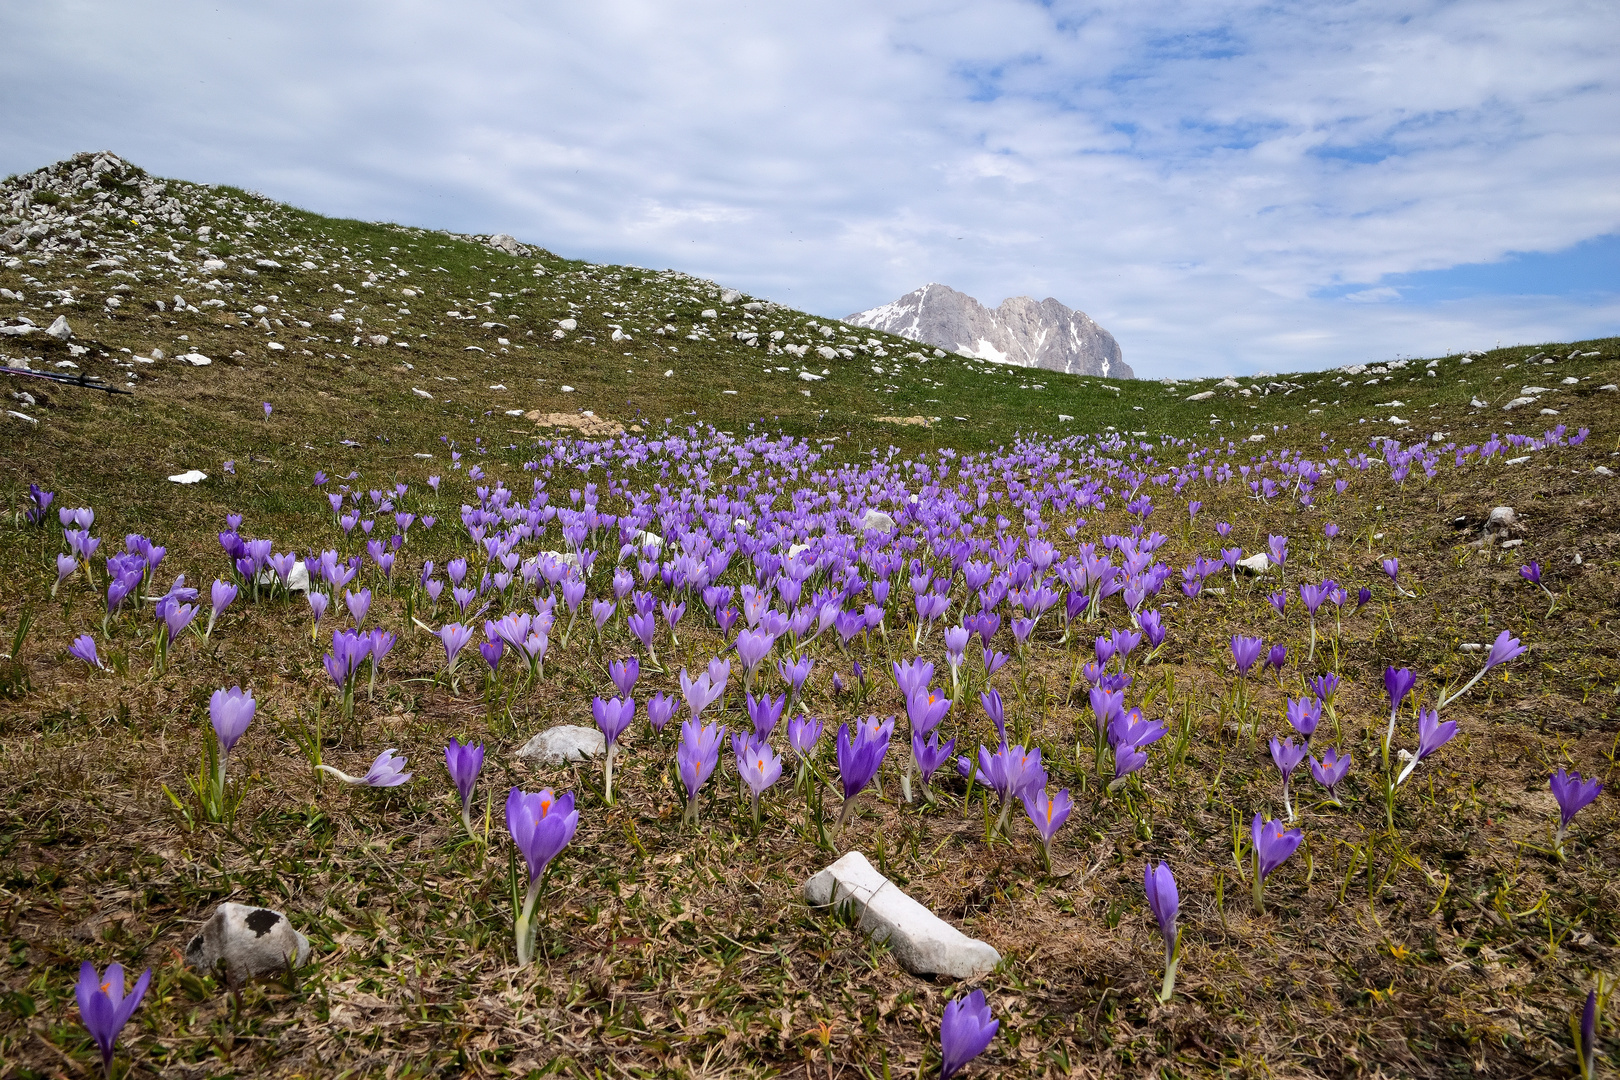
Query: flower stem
[[523, 925], [1170, 961]]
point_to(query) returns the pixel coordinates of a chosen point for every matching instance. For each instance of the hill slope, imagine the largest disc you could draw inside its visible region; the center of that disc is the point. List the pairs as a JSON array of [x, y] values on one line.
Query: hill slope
[[364, 332]]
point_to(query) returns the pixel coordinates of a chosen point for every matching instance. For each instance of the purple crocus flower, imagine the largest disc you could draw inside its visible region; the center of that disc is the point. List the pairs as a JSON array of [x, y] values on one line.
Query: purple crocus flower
[[1573, 794], [84, 648], [1588, 1045], [1506, 647], [613, 716], [454, 636], [65, 565], [1330, 770], [926, 708], [39, 500], [1398, 682], [491, 651], [1531, 572], [624, 674], [318, 603], [1392, 567], [1165, 902], [1324, 686], [700, 692], [795, 673], [387, 770], [757, 764], [930, 755], [695, 759], [464, 763], [105, 1008], [803, 734], [1363, 597], [1287, 755], [964, 1033], [1245, 651], [1304, 714], [859, 756], [176, 617], [230, 711], [1278, 600], [1278, 546], [541, 825], [1276, 657], [764, 711], [1272, 848], [752, 647], [913, 675], [660, 708], [1047, 813], [358, 603]]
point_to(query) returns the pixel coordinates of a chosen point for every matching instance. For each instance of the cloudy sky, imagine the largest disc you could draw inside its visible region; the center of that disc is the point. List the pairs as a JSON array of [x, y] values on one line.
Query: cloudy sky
[[1227, 187]]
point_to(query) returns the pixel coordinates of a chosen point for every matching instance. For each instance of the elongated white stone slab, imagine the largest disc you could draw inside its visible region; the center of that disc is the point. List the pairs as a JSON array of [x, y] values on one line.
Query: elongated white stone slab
[[924, 943]]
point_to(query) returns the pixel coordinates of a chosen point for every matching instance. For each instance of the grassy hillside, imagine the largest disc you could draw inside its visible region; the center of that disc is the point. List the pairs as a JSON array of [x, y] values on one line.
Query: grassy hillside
[[418, 416]]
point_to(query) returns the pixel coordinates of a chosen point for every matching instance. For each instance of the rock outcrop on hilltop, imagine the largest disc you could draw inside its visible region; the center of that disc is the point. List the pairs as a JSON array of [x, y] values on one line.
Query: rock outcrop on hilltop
[[1022, 331]]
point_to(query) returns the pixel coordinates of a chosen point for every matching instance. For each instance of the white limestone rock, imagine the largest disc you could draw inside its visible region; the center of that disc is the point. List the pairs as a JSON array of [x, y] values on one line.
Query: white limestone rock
[[1255, 564], [875, 520], [59, 329], [190, 476], [297, 578], [924, 943], [251, 942], [566, 742]]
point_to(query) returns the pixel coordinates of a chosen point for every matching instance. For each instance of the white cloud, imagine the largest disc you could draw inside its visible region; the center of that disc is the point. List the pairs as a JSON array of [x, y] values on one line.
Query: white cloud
[[1196, 176]]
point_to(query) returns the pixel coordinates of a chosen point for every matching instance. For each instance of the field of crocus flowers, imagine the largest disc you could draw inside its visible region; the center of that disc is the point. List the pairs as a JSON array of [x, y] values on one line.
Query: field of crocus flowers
[[1339, 810]]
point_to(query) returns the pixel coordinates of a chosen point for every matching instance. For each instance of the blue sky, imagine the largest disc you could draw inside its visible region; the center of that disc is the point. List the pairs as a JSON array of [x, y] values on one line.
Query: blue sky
[[1227, 187]]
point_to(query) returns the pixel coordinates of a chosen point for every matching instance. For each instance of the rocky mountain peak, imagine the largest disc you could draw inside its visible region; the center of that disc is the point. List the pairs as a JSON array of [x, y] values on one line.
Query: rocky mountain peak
[[1021, 331]]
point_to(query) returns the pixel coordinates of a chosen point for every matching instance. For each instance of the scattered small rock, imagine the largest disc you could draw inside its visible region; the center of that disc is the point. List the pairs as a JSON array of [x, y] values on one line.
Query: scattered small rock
[[59, 329], [190, 476], [566, 742], [1255, 564], [251, 942], [875, 520]]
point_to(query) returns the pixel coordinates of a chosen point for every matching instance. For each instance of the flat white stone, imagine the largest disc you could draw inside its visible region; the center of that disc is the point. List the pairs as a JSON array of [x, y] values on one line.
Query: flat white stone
[[1202, 395], [195, 359], [924, 943], [1517, 403], [59, 329], [251, 942], [1255, 564], [875, 520], [297, 578], [566, 742], [190, 476]]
